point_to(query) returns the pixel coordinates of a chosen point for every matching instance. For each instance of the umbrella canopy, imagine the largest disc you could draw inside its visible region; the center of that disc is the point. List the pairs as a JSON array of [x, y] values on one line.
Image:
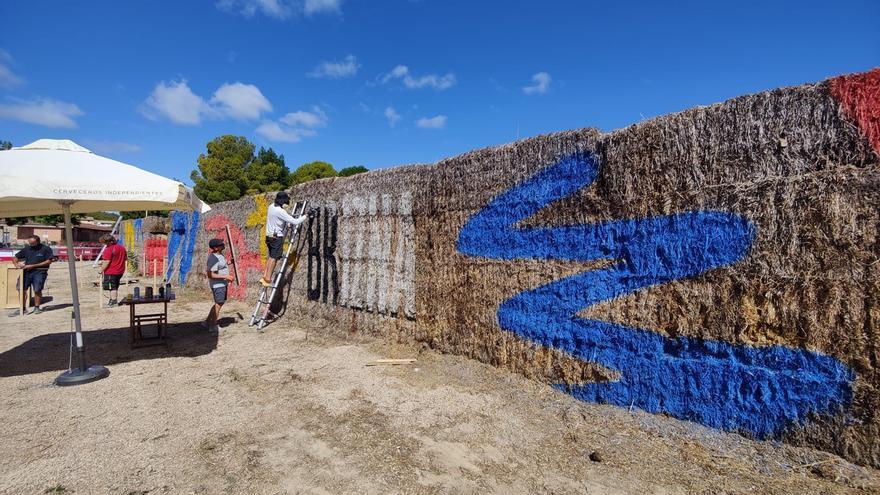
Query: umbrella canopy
[[59, 176], [34, 178]]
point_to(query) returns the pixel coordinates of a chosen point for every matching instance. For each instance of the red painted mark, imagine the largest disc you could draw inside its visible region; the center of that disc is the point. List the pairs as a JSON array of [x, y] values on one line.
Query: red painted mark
[[859, 95], [155, 249], [246, 260]]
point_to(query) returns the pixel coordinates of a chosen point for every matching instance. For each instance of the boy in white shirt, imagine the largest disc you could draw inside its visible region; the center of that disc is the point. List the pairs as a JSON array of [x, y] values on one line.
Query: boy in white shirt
[[276, 223]]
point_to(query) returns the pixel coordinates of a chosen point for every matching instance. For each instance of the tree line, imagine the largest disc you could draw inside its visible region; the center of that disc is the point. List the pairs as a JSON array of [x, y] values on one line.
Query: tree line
[[230, 168]]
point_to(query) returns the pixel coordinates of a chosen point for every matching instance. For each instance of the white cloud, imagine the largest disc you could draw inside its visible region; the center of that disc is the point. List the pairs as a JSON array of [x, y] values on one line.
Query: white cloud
[[294, 126], [43, 111], [336, 70], [240, 101], [279, 9], [315, 118], [111, 147], [542, 84], [397, 72], [177, 103], [273, 131], [431, 80], [322, 6], [392, 116], [438, 122], [8, 79], [249, 8]]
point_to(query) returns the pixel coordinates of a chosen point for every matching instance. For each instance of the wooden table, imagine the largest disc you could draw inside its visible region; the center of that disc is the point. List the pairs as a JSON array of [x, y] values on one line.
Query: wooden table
[[138, 321]]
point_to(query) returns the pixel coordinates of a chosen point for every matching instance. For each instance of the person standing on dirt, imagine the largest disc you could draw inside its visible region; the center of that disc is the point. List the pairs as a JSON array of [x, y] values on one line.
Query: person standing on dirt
[[35, 260], [218, 278], [276, 224], [112, 267]]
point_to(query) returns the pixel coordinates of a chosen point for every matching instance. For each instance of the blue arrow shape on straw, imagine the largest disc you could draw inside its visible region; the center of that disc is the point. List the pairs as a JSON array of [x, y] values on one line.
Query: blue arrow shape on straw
[[761, 390]]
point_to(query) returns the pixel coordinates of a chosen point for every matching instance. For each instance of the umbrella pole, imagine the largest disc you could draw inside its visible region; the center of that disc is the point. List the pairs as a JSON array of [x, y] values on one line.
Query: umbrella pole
[[80, 373]]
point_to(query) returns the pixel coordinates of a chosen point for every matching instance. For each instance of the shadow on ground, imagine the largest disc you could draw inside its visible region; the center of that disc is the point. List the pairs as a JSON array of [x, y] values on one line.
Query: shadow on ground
[[111, 346]]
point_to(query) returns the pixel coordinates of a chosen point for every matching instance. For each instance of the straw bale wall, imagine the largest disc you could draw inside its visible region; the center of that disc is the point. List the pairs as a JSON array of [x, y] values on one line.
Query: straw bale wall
[[719, 265]]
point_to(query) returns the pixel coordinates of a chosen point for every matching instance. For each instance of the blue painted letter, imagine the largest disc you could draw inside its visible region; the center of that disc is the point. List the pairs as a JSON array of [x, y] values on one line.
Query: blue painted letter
[[735, 387]]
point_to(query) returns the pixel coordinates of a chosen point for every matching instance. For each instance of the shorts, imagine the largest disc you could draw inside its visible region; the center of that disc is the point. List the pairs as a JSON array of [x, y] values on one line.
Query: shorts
[[111, 282], [219, 294], [35, 279], [275, 244]]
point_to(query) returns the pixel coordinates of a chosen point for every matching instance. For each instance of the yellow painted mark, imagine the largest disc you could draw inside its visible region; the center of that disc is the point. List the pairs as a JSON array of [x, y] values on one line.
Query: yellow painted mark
[[257, 218], [128, 227]]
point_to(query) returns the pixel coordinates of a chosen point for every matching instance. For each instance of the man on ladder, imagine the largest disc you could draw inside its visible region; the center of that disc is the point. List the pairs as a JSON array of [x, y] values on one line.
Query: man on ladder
[[276, 225], [280, 226]]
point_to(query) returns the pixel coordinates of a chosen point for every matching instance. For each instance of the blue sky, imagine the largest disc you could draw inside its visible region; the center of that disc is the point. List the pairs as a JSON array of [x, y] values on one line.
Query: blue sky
[[389, 82]]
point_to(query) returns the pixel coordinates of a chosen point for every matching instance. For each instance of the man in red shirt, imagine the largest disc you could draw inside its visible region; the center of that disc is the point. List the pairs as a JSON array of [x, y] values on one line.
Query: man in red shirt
[[112, 266]]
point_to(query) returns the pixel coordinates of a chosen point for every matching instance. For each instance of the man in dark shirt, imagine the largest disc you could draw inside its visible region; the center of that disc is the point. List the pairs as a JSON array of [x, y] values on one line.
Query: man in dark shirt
[[35, 260]]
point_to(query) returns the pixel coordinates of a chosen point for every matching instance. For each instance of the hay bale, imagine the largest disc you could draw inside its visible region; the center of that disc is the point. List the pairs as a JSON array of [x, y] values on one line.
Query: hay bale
[[156, 225], [794, 168]]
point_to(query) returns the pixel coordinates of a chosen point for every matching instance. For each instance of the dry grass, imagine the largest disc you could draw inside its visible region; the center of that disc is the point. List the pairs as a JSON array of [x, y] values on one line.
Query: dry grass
[[281, 413]]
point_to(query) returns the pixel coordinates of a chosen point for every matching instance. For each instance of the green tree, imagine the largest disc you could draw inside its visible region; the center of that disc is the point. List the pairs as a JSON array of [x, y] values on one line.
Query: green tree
[[267, 172], [222, 171], [102, 215], [311, 171], [128, 215], [17, 220], [5, 145], [56, 219], [75, 218], [349, 171]]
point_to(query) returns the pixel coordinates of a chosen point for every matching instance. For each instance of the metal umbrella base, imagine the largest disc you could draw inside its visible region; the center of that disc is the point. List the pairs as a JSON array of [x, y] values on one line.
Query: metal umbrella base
[[79, 376]]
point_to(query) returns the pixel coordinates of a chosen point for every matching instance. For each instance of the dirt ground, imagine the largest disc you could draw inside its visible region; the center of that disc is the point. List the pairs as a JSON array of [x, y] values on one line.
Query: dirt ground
[[295, 410]]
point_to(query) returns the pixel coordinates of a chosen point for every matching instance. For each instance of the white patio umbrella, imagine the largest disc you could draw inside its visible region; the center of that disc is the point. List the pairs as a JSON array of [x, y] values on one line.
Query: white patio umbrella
[[51, 176]]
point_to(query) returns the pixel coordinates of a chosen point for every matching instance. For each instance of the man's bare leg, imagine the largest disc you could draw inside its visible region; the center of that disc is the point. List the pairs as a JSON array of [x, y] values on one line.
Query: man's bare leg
[[270, 267], [213, 314]]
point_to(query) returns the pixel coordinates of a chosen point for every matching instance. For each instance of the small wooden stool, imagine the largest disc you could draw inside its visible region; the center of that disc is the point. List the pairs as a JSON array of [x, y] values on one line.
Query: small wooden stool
[[137, 322]]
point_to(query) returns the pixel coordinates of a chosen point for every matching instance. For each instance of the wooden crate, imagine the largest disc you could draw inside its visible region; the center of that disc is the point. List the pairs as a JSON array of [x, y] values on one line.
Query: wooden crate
[[10, 297]]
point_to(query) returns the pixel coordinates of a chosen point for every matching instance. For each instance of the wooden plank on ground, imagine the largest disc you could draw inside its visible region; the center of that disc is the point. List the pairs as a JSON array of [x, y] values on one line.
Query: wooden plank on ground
[[392, 361]]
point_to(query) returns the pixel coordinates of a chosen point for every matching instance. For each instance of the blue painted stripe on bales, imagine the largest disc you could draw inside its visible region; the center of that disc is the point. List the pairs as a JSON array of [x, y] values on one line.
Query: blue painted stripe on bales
[[735, 387], [175, 237], [186, 256], [139, 231]]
